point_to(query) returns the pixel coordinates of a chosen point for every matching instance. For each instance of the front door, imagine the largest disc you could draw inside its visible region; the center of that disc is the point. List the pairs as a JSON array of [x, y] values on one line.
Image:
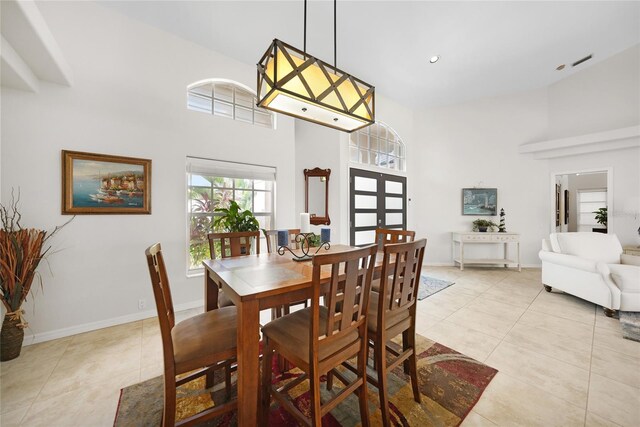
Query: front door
[[377, 200]]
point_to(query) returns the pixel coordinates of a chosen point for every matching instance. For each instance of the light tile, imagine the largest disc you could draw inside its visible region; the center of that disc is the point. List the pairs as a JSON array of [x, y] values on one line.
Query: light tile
[[510, 402], [614, 401], [13, 418], [469, 342], [604, 322], [561, 379], [560, 347], [616, 366], [496, 308], [35, 354], [594, 420], [565, 306], [559, 325], [476, 420], [613, 340], [19, 387], [95, 404], [505, 295], [493, 325], [434, 309]]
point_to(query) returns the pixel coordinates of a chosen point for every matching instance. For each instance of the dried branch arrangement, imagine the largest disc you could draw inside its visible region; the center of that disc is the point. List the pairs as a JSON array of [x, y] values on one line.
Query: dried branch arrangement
[[21, 250]]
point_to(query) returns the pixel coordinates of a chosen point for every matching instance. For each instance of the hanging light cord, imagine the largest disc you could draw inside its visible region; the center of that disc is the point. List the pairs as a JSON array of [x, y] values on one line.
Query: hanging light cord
[[335, 43], [335, 37]]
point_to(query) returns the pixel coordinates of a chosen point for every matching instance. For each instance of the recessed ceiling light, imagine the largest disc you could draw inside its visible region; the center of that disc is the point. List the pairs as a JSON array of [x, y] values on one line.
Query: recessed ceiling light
[[560, 67], [434, 59]]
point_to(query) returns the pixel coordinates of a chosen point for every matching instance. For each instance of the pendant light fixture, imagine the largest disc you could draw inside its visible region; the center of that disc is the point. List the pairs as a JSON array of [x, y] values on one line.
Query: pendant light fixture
[[294, 83]]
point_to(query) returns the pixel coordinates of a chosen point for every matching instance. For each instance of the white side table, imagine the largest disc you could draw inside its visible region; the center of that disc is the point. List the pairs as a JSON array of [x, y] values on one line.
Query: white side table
[[631, 250], [474, 237]]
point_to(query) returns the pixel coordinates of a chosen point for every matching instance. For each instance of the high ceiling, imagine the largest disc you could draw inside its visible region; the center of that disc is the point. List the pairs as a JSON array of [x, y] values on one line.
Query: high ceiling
[[486, 48]]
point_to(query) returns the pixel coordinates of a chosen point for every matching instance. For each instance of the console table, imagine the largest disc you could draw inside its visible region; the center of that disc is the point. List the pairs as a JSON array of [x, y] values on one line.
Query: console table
[[466, 237], [631, 250]]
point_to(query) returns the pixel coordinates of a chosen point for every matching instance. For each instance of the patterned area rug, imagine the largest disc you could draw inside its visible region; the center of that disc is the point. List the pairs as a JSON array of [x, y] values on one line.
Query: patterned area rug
[[630, 323], [450, 383], [430, 286]]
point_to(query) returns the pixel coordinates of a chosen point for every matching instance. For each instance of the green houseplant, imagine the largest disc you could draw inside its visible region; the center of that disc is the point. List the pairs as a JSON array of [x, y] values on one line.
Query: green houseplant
[[234, 219], [21, 250], [483, 224], [601, 216]]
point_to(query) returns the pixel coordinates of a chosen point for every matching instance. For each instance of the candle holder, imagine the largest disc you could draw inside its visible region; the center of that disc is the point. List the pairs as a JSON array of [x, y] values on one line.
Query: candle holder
[[303, 240]]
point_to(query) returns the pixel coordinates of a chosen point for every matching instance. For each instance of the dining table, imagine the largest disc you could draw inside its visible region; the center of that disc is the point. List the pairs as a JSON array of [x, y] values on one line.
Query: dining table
[[255, 283]]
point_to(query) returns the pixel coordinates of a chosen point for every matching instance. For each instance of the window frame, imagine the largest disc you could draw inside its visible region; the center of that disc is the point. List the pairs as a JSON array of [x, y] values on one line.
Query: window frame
[[198, 271], [232, 103], [361, 146]]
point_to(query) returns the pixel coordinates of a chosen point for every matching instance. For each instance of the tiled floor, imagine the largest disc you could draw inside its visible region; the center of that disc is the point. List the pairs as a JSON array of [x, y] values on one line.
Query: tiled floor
[[561, 361]]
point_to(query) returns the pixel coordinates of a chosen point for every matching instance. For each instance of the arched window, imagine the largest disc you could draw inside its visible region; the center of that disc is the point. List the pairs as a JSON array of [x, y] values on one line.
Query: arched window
[[378, 145], [229, 99]]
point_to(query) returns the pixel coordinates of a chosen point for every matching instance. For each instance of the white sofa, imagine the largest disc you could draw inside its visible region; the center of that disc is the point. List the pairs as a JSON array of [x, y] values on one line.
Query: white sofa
[[592, 266]]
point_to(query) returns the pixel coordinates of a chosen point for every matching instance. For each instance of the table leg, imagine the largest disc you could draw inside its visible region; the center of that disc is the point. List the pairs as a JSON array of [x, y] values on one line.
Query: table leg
[[519, 266], [210, 292], [248, 362], [506, 252], [461, 256]]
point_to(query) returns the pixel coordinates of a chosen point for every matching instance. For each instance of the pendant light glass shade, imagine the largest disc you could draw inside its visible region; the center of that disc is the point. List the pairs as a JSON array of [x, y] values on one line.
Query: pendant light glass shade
[[299, 85]]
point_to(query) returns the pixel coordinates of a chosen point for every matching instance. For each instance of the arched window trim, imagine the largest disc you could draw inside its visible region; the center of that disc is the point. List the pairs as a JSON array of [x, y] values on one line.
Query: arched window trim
[[233, 105], [354, 150]]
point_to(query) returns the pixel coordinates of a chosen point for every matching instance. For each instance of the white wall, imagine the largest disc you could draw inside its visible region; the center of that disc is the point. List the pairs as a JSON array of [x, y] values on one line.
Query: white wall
[[603, 97], [475, 144], [129, 98]]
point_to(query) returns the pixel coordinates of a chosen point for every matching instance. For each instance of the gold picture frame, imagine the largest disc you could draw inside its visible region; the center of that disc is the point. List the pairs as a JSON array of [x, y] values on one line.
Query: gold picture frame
[[97, 184]]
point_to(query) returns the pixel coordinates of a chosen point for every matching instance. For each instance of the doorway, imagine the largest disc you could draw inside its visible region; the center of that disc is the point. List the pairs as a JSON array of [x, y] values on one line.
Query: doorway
[[377, 200], [580, 201]]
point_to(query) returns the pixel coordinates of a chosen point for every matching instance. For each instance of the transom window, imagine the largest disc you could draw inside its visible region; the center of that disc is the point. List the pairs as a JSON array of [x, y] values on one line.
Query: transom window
[[377, 145], [213, 184], [228, 99]]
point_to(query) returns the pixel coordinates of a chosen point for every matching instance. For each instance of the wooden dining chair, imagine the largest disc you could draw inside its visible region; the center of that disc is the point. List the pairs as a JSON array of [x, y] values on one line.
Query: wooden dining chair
[[198, 345], [319, 338], [392, 312], [384, 236], [272, 239], [232, 245]]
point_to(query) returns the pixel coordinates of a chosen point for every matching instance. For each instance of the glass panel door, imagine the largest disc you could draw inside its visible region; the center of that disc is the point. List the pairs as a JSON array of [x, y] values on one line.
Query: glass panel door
[[377, 200]]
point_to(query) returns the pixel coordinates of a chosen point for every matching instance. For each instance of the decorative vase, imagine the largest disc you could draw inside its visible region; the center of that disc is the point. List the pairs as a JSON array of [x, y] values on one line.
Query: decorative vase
[[482, 229], [11, 336]]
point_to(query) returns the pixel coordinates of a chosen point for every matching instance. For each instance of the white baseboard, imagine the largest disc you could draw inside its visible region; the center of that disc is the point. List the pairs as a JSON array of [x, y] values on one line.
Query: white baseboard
[[451, 264], [87, 327]]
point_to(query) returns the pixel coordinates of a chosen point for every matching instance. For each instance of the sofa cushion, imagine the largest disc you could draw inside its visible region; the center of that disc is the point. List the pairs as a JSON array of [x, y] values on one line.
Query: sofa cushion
[[626, 277], [594, 246]]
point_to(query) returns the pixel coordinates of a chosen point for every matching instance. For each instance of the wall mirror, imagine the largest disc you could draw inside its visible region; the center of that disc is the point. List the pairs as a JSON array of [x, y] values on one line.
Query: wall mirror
[[317, 195]]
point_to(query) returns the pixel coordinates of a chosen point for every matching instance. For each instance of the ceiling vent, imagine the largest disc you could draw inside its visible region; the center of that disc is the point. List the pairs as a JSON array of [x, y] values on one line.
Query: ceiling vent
[[580, 61]]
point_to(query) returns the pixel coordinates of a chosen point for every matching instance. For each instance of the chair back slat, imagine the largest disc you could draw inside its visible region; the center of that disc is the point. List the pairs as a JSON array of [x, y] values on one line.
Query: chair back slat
[[233, 244], [162, 296], [348, 294], [384, 236], [272, 239], [400, 279]]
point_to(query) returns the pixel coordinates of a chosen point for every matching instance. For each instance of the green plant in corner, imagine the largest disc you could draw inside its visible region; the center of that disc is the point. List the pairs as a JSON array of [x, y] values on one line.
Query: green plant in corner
[[601, 216], [233, 219], [483, 225]]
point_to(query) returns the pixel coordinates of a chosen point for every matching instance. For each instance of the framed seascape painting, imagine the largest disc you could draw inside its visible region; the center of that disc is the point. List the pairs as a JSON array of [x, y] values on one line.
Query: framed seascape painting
[[480, 201], [104, 184]]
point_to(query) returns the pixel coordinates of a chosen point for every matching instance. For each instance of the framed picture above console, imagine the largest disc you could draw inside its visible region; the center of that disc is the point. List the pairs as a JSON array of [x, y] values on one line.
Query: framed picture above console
[[480, 201]]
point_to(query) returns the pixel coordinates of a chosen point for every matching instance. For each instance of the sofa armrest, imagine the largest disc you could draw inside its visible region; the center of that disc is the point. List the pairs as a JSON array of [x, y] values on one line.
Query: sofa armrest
[[630, 259], [570, 261]]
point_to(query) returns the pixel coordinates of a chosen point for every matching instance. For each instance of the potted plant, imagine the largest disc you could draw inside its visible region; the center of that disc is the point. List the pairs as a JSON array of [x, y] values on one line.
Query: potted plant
[[234, 219], [601, 218], [483, 224], [21, 250]]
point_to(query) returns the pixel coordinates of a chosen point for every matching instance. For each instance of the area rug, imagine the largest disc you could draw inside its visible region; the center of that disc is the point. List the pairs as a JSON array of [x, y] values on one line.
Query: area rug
[[430, 286], [630, 323], [450, 385]]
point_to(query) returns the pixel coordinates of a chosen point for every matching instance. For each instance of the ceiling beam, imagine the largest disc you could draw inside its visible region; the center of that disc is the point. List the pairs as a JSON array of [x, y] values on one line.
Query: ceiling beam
[[15, 72]]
